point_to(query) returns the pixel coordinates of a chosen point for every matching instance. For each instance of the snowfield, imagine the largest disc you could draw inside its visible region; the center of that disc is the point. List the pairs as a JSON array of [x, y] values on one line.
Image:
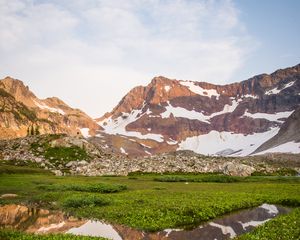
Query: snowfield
[[214, 142]]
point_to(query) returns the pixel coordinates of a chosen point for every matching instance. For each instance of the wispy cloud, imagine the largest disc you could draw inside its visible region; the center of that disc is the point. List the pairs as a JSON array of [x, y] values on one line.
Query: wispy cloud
[[90, 53]]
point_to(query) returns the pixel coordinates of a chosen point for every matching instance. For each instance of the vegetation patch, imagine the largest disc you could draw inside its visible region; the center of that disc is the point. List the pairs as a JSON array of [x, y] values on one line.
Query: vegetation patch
[[92, 187], [58, 155], [280, 172], [198, 178], [10, 169], [84, 201], [65, 154]]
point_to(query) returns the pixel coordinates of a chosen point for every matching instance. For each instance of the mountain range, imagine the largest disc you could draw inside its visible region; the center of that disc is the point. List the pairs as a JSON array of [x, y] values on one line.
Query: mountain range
[[255, 116]]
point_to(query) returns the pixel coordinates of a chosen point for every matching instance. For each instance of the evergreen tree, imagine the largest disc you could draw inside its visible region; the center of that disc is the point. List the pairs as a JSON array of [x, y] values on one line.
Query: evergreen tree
[[37, 130], [32, 130]]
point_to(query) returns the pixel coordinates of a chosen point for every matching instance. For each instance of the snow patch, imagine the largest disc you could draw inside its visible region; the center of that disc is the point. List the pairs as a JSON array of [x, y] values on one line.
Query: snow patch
[[269, 116], [227, 108], [199, 90], [276, 90], [118, 126], [192, 114], [172, 142], [85, 132], [148, 152], [184, 113], [167, 88], [123, 151], [289, 147], [215, 141], [51, 109]]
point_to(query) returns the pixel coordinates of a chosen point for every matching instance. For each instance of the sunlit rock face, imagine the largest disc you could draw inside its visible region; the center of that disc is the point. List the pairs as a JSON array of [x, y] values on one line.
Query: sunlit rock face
[[169, 115], [21, 109]]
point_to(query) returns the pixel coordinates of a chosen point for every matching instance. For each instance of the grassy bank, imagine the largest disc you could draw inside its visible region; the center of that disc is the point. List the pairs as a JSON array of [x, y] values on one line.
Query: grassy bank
[[286, 227]]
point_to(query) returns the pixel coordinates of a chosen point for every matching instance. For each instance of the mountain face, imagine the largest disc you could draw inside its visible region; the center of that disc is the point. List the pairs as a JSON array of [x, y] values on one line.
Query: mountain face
[[169, 115], [287, 139], [22, 112]]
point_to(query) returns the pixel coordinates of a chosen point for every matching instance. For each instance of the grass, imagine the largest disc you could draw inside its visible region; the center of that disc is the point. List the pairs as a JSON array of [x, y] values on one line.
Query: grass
[[199, 178], [9, 169], [147, 204], [10, 235], [280, 172], [286, 227]]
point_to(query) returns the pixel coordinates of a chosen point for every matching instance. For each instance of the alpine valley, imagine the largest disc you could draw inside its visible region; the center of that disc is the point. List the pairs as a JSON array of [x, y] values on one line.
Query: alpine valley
[[255, 116], [175, 159]]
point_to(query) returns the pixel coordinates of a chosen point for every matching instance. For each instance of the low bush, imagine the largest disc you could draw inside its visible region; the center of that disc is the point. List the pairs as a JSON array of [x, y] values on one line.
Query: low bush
[[84, 201], [95, 187]]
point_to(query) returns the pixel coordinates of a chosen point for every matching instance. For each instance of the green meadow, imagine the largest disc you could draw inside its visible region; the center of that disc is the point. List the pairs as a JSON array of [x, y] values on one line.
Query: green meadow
[[153, 202]]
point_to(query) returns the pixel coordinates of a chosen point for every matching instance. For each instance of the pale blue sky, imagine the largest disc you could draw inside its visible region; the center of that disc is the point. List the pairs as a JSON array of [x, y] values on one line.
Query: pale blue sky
[[90, 53], [275, 24]]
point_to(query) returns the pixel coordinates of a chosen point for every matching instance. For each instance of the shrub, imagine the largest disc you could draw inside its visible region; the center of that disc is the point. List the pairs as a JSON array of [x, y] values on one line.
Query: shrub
[[84, 201]]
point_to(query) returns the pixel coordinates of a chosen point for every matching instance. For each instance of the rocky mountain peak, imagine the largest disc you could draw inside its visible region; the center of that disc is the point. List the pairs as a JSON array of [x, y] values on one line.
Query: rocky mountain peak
[[21, 110], [17, 89], [169, 114]]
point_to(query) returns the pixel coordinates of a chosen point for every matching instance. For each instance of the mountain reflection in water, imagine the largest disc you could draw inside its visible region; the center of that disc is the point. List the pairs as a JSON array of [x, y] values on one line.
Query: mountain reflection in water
[[40, 221]]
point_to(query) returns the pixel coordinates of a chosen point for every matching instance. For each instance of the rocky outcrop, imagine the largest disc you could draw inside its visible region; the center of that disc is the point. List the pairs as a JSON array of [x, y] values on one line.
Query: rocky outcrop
[[21, 110]]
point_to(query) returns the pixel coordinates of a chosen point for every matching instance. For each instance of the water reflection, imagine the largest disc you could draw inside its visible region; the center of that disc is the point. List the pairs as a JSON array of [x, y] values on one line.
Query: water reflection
[[44, 221]]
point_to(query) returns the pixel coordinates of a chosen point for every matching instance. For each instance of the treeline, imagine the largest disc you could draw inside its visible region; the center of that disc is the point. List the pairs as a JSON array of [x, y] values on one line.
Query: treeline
[[33, 130]]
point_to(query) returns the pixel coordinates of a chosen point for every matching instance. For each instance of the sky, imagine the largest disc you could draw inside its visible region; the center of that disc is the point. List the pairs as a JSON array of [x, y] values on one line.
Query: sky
[[90, 53]]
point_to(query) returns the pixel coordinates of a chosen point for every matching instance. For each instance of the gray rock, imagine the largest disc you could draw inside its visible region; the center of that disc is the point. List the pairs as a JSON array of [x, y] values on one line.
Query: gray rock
[[9, 195], [236, 169], [57, 172]]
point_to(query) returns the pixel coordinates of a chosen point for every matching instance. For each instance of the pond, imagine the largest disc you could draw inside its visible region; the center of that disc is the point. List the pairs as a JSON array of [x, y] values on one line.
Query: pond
[[41, 221]]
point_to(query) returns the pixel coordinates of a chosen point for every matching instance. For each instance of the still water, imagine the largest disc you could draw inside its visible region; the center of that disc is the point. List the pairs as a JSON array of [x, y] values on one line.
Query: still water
[[41, 221]]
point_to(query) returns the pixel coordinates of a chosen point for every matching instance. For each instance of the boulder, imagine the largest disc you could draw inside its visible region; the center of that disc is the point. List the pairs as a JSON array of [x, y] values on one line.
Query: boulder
[[237, 169], [57, 172], [9, 195]]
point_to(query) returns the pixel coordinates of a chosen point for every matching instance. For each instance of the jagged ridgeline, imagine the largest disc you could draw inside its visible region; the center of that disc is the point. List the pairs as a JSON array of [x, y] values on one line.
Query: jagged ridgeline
[[170, 115]]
